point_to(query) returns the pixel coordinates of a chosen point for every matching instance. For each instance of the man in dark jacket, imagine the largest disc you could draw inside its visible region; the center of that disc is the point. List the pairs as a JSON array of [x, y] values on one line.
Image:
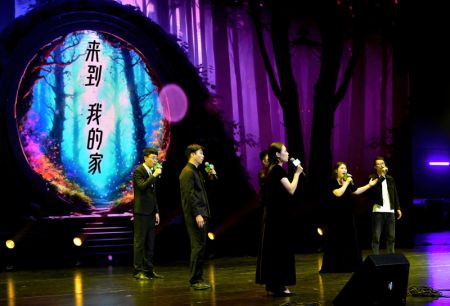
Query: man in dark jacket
[[146, 214], [196, 212], [386, 204]]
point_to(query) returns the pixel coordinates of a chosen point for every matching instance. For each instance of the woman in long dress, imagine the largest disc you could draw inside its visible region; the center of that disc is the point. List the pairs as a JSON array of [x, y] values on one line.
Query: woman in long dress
[[276, 258], [342, 252]]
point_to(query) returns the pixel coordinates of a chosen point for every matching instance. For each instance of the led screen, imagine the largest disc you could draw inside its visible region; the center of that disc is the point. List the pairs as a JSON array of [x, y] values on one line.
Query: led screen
[[88, 106]]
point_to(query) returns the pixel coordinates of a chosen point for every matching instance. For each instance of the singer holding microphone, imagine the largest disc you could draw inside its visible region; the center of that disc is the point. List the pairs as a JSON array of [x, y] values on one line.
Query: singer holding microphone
[[211, 171], [145, 214], [276, 258], [194, 200], [342, 252], [386, 204]]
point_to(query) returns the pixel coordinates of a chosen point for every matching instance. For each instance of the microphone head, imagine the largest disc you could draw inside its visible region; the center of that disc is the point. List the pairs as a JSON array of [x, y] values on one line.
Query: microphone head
[[206, 164], [295, 161]]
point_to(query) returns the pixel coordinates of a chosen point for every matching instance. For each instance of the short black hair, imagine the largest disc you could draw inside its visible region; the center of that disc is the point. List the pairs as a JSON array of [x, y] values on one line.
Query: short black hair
[[379, 157], [148, 151], [263, 154], [192, 148]]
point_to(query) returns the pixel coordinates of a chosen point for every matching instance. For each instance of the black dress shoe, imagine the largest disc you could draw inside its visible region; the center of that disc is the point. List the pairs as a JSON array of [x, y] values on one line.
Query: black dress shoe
[[200, 286], [141, 276], [282, 294], [154, 275], [278, 291]]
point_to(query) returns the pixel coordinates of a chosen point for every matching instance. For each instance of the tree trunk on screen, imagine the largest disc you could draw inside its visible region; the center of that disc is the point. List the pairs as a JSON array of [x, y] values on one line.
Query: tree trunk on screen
[[139, 128], [326, 97], [286, 88], [289, 94]]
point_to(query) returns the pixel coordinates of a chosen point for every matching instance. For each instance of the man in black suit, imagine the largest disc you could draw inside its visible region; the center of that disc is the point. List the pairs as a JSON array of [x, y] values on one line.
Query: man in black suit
[[146, 214], [386, 205], [196, 212]]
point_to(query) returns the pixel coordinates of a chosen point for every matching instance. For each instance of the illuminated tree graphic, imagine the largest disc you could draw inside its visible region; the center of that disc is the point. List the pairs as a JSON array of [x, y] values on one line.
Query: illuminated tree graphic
[[81, 106]]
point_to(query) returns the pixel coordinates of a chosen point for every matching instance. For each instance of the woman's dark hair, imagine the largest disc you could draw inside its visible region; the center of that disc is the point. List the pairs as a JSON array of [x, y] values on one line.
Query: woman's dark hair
[[336, 166], [275, 147]]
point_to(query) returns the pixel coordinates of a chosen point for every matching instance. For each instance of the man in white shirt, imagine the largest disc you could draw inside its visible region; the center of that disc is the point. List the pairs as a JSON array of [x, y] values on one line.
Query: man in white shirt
[[145, 214], [386, 205]]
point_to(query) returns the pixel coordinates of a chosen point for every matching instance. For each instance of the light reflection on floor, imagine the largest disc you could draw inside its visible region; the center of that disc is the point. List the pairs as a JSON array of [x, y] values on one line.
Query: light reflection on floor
[[437, 248], [232, 279]]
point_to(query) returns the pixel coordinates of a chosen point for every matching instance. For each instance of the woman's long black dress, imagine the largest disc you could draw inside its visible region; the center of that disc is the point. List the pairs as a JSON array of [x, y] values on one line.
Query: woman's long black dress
[[342, 252], [276, 258]]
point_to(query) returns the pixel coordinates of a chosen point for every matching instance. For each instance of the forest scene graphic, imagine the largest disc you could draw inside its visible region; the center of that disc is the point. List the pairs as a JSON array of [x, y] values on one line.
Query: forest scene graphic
[[86, 108]]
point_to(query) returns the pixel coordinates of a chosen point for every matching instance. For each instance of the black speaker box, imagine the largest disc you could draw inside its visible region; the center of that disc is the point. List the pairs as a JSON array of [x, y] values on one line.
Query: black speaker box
[[381, 280]]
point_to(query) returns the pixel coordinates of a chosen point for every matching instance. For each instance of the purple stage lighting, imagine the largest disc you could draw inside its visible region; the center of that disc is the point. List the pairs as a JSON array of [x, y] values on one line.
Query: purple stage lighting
[[439, 163]]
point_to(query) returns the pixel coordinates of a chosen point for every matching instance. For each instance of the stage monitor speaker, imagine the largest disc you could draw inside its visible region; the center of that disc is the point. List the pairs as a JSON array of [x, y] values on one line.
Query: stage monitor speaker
[[381, 280]]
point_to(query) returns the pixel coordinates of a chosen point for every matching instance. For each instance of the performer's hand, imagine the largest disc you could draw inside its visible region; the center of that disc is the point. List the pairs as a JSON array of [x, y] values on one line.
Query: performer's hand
[[157, 219], [299, 169], [349, 180], [157, 172], [200, 221], [373, 181], [399, 214], [213, 172]]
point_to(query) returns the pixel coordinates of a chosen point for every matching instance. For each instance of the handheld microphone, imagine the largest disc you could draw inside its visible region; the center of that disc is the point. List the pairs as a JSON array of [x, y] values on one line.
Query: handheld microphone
[[158, 165], [296, 162], [208, 168], [347, 175]]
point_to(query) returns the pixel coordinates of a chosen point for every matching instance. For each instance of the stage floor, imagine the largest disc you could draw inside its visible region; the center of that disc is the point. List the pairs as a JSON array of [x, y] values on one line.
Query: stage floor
[[232, 280]]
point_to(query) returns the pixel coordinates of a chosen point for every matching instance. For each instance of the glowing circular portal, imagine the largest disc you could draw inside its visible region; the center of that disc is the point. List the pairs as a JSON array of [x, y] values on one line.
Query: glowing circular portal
[[174, 102], [86, 149]]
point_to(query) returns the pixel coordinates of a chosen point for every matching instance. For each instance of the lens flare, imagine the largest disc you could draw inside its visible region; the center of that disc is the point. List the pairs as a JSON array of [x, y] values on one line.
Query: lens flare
[[174, 102]]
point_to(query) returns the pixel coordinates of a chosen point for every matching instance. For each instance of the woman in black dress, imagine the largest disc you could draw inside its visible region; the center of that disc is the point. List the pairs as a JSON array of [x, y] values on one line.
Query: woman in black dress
[[342, 252], [276, 258]]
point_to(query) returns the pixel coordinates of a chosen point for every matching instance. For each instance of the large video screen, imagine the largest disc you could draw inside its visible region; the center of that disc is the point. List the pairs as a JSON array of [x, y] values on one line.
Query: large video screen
[[87, 106]]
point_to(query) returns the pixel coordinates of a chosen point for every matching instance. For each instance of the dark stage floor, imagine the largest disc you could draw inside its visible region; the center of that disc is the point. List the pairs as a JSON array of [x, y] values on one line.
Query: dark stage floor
[[232, 282]]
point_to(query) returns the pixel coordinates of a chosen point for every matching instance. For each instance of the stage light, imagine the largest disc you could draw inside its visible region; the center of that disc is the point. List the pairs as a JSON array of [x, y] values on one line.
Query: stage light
[[77, 241], [439, 163], [211, 236], [10, 244], [320, 231]]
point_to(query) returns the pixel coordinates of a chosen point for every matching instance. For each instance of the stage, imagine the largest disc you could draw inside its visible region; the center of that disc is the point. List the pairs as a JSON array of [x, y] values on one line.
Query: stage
[[232, 280]]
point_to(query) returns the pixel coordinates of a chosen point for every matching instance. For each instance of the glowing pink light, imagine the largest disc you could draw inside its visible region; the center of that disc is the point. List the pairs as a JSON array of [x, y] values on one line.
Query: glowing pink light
[[174, 102], [440, 163]]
